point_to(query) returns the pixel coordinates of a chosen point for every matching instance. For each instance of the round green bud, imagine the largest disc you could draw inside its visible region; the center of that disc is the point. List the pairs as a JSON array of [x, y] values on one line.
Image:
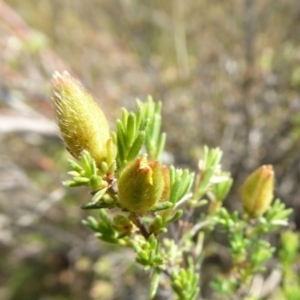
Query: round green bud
[[140, 185], [123, 224], [258, 190]]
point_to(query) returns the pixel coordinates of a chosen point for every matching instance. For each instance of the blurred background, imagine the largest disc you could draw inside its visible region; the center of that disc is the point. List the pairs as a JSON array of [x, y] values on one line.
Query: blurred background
[[227, 72]]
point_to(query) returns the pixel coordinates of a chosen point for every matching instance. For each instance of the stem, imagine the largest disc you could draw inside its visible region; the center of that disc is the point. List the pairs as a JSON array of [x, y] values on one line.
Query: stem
[[143, 229]]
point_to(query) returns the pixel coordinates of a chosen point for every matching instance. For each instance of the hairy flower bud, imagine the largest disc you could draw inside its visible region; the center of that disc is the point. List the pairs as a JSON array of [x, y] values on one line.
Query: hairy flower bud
[[140, 185], [257, 191], [82, 124]]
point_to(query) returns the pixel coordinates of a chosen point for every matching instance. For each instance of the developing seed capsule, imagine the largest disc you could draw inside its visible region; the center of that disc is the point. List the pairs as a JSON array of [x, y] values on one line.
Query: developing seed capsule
[[257, 191], [140, 185], [82, 124]]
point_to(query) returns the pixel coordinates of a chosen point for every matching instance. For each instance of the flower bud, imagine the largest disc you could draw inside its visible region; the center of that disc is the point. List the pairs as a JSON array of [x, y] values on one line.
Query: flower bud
[[82, 124], [123, 224], [257, 191], [140, 185]]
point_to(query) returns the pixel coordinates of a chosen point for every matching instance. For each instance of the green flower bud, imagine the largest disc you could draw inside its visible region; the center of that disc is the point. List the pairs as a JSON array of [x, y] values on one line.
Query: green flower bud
[[140, 185], [82, 124], [257, 191], [123, 224]]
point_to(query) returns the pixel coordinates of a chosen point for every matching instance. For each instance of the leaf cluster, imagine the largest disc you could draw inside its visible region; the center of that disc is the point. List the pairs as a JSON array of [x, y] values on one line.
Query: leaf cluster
[[176, 257]]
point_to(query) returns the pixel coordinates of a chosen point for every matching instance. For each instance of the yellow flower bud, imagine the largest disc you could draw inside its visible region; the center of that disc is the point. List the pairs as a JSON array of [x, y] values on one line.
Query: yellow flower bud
[[257, 191], [140, 185], [82, 124]]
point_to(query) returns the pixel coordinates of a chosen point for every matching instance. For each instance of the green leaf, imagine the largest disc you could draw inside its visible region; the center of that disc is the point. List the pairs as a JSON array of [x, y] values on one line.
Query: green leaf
[[81, 179], [99, 195], [74, 174], [86, 161], [75, 166], [177, 215], [97, 205], [121, 135], [91, 223], [124, 117], [161, 145], [161, 206], [154, 283], [130, 130], [72, 183], [180, 183], [136, 147]]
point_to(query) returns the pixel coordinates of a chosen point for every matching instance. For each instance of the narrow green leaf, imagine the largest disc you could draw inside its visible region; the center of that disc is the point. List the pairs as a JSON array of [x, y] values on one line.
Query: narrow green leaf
[[174, 194], [97, 205], [156, 128], [157, 260], [124, 117], [86, 162], [121, 135], [130, 129], [143, 255], [93, 167], [74, 174], [75, 166], [151, 255], [108, 239], [175, 217], [158, 220], [112, 167], [91, 223], [161, 206], [152, 241], [81, 179], [158, 107], [111, 147], [161, 145], [139, 116], [120, 153], [99, 195], [150, 107], [104, 216], [142, 261], [136, 147], [72, 183], [172, 174]]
